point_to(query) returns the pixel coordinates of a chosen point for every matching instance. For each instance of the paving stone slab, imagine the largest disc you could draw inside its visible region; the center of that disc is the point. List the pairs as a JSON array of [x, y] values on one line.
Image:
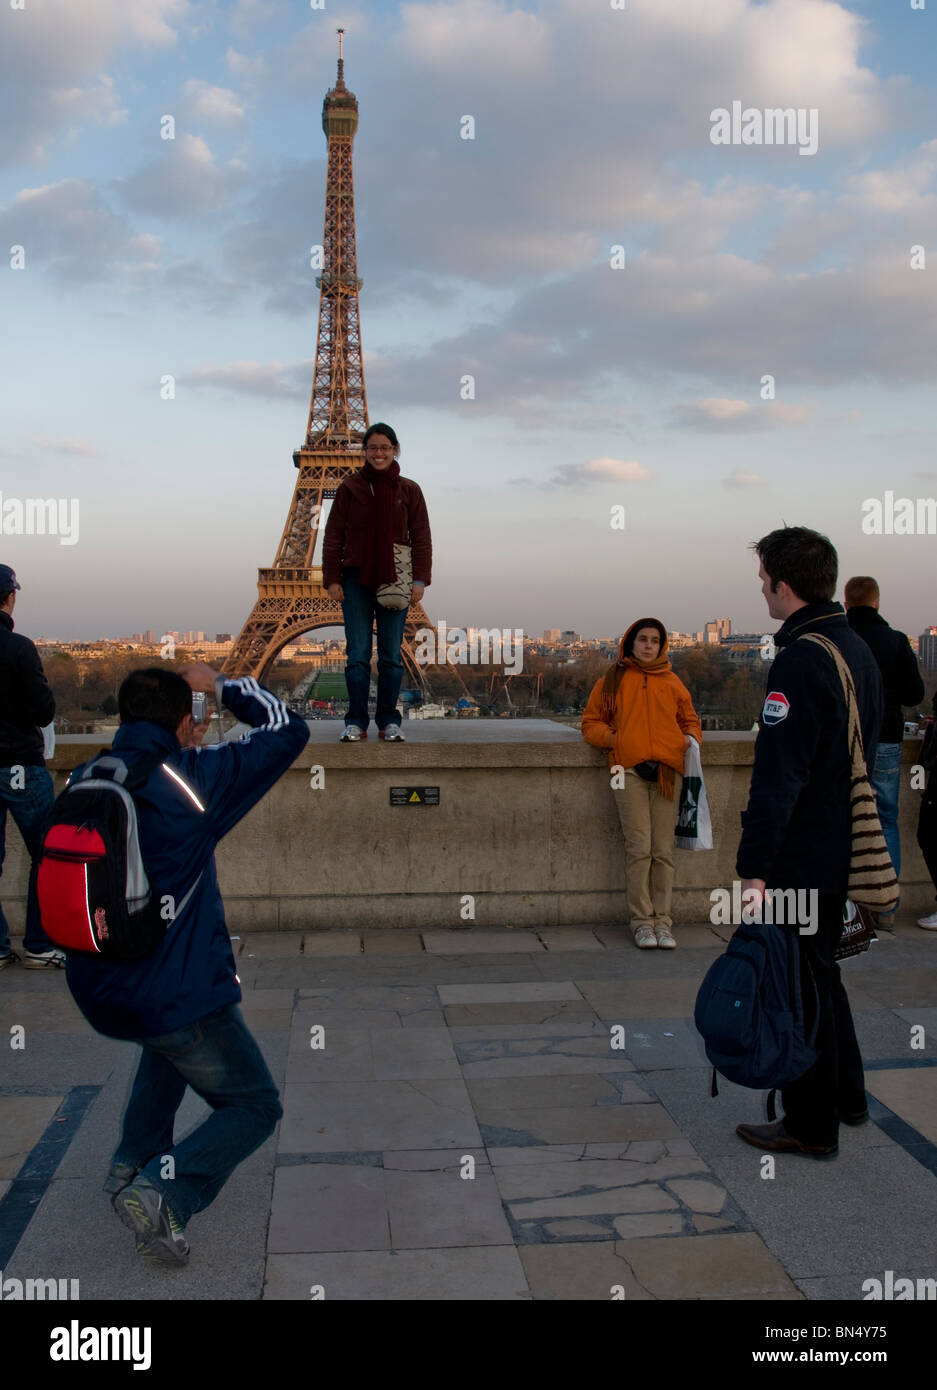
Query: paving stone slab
[[331, 943], [667, 998], [413, 1054], [347, 1054], [392, 943], [911, 1093], [80, 1059], [567, 1030], [547, 1065], [532, 1092], [400, 999], [649, 1224], [706, 1266], [552, 1179], [431, 1160], [56, 1013], [849, 1288], [429, 1210], [267, 998], [376, 1115], [566, 1125], [474, 943], [576, 1272], [507, 1156], [267, 1020], [554, 1016], [520, 992], [699, 1194], [569, 939], [482, 1274], [321, 1206], [258, 946]]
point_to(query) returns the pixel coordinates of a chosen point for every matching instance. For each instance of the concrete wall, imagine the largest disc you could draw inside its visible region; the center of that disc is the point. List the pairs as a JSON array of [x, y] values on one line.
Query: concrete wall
[[528, 829]]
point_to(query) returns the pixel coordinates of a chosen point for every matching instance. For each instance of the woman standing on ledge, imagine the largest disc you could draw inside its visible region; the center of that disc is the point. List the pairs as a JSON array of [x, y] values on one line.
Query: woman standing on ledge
[[373, 510], [643, 714]]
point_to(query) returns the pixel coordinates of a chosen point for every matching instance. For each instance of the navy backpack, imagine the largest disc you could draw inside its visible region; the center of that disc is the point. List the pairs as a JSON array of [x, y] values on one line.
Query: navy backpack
[[749, 1010]]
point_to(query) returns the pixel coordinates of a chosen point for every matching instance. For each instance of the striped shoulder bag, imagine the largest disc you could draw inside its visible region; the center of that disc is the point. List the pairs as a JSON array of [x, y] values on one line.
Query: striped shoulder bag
[[872, 879]]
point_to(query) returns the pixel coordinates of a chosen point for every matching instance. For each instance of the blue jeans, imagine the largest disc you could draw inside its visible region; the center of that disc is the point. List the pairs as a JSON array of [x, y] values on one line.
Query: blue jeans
[[219, 1059], [29, 806], [359, 610], [886, 779]]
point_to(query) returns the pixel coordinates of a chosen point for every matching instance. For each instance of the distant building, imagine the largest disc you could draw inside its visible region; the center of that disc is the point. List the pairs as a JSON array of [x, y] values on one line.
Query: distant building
[[927, 649], [568, 637], [222, 637], [551, 634]]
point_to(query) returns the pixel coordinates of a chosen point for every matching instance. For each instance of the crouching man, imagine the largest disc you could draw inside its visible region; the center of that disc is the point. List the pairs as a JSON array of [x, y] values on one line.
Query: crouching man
[[180, 1003]]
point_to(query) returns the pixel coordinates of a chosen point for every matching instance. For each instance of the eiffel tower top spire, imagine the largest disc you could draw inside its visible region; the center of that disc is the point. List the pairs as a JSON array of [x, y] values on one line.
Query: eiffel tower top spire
[[338, 412]]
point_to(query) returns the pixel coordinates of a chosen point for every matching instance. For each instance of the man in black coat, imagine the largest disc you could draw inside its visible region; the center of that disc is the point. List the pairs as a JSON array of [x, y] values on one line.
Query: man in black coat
[[796, 831], [901, 676], [26, 704]]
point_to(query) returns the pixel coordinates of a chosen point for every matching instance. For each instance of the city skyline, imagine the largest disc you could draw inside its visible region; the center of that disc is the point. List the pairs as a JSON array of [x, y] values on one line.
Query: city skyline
[[616, 350]]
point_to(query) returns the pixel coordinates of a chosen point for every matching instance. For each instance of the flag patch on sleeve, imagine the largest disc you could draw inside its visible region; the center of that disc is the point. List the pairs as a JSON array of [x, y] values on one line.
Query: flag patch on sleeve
[[776, 707]]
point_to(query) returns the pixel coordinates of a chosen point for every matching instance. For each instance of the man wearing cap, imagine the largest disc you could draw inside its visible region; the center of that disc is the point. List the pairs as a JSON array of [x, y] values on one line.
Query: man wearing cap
[[26, 704]]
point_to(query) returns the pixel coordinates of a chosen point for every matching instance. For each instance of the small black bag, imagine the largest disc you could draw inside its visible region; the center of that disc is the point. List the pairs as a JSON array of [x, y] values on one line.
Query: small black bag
[[647, 771]]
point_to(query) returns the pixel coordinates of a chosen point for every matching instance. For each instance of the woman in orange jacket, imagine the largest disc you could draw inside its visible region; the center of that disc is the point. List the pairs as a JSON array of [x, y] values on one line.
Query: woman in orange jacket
[[643, 714]]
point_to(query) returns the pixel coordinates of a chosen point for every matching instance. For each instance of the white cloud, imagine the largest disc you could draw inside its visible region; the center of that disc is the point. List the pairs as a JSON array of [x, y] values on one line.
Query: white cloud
[[269, 379], [184, 181], [53, 60], [214, 105], [621, 470], [68, 229], [83, 447], [740, 478]]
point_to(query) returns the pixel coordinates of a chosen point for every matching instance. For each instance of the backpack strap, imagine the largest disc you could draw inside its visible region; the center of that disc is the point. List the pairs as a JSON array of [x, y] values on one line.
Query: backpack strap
[[108, 765]]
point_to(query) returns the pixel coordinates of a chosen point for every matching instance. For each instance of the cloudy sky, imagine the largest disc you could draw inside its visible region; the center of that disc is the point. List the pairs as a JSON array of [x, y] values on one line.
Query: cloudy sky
[[630, 377]]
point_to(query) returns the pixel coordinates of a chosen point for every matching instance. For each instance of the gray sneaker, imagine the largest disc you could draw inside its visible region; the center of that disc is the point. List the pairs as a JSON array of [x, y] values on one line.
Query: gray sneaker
[[158, 1231], [7, 959], [121, 1175], [392, 734], [43, 960], [352, 734]]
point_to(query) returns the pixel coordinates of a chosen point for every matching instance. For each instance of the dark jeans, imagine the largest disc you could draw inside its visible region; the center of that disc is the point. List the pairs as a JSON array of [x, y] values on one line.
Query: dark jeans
[[360, 608], [219, 1059], [835, 1083], [927, 827], [29, 806]]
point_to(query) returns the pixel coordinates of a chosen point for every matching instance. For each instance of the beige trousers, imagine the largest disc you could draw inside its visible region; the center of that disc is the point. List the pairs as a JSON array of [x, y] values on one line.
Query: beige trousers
[[648, 821]]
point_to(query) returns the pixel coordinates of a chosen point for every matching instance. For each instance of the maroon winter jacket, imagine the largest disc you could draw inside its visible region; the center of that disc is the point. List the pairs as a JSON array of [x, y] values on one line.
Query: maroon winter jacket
[[349, 530]]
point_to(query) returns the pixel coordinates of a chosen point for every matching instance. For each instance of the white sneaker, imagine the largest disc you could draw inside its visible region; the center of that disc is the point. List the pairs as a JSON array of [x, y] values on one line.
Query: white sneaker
[[928, 923], [43, 960], [353, 734], [645, 939]]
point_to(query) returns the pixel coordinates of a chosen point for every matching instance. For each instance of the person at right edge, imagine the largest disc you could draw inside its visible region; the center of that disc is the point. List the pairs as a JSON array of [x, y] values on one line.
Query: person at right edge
[[904, 685], [796, 830]]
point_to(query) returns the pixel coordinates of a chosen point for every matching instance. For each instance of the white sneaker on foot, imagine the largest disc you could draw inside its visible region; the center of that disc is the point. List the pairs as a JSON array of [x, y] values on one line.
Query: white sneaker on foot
[[644, 938], [665, 938], [928, 923]]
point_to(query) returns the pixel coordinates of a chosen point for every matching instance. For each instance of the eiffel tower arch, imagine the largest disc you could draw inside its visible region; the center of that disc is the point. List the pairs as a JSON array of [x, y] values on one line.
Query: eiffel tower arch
[[290, 597]]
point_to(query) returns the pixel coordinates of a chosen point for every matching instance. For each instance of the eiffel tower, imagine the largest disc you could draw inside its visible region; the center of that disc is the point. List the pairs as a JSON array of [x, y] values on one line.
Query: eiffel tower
[[290, 596]]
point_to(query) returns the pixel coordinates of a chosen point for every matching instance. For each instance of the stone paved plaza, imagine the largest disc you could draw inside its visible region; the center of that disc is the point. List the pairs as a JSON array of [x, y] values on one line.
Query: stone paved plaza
[[491, 1114]]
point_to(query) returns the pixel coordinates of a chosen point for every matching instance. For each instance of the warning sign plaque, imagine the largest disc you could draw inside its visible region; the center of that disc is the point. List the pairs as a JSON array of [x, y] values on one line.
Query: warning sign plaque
[[414, 796]]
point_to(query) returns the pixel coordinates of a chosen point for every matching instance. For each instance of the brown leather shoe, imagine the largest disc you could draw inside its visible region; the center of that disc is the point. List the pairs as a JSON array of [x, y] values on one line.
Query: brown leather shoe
[[775, 1139]]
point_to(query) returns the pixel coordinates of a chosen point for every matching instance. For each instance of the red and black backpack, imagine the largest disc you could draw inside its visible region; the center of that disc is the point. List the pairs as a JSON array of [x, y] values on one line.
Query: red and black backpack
[[94, 893]]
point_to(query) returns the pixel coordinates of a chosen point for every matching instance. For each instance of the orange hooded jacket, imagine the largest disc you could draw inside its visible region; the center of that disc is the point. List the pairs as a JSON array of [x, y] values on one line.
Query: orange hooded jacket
[[653, 711]]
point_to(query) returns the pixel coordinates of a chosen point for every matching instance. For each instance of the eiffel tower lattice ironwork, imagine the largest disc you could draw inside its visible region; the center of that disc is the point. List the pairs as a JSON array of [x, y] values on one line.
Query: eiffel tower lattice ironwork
[[290, 597]]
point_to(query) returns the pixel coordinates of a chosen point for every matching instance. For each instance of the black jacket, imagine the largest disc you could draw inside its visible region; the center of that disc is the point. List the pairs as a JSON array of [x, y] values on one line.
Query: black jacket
[[901, 673], [796, 830], [26, 702]]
